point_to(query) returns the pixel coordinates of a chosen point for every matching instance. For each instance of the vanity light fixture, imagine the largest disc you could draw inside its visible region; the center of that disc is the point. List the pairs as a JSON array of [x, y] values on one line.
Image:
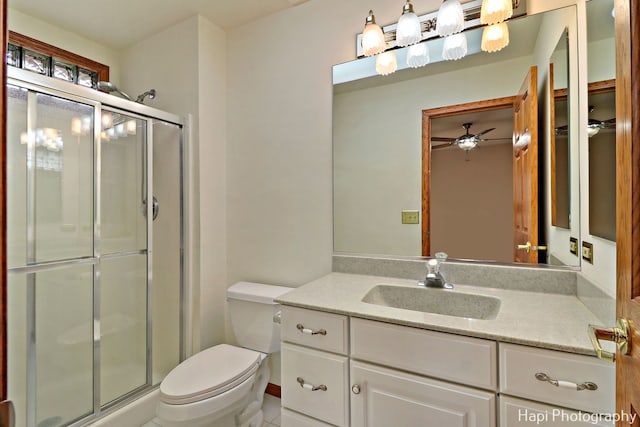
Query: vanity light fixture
[[408, 31], [450, 19], [418, 55], [495, 37], [495, 11], [386, 63], [373, 41], [455, 47]]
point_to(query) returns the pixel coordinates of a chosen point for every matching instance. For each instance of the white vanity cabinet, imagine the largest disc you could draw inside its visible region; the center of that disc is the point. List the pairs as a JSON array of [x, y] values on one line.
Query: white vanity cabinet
[[383, 397], [560, 380], [315, 374], [347, 371]]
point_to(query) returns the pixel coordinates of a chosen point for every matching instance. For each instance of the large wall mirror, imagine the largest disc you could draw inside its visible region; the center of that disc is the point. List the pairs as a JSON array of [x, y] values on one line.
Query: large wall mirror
[[379, 129]]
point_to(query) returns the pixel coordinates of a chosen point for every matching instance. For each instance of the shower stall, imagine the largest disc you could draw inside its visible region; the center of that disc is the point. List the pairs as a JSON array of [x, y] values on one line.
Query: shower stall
[[95, 249]]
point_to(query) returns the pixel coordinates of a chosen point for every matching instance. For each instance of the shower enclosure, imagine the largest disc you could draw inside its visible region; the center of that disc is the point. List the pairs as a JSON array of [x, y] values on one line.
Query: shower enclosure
[[96, 264]]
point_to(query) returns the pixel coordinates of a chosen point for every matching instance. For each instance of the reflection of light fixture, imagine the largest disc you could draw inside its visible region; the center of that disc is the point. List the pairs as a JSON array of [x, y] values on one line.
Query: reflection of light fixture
[[450, 18], [80, 126], [372, 38], [418, 55], [495, 11], [467, 142], [593, 127], [107, 119], [408, 29], [495, 37], [48, 138], [386, 63], [523, 138], [455, 47]]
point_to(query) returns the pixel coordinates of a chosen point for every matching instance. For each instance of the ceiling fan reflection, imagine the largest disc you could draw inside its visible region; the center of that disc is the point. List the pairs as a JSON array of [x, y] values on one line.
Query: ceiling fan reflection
[[467, 141]]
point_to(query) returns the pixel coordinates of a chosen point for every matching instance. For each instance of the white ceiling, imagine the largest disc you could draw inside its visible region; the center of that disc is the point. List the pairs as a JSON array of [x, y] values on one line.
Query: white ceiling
[[120, 23]]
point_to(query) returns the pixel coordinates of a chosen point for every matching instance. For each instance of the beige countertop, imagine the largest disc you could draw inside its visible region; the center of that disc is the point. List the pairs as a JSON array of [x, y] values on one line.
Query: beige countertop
[[552, 321]]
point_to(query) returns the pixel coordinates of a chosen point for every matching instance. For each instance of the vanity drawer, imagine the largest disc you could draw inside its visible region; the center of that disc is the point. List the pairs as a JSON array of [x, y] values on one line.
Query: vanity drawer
[[523, 413], [306, 369], [469, 361], [520, 364], [317, 329]]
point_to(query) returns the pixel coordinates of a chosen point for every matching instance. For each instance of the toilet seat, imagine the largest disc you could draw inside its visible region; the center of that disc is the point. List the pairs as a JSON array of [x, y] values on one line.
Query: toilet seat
[[209, 373]]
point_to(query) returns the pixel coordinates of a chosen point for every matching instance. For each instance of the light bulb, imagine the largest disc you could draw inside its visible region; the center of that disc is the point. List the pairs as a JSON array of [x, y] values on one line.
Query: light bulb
[[495, 11], [455, 47], [418, 55], [386, 63], [495, 37], [372, 37], [408, 30], [450, 19]]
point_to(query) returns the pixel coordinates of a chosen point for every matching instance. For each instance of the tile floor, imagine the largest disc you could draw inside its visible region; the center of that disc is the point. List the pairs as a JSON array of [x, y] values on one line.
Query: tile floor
[[270, 409]]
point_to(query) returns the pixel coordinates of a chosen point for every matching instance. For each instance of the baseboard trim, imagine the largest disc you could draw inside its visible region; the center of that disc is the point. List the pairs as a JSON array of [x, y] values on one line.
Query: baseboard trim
[[273, 390]]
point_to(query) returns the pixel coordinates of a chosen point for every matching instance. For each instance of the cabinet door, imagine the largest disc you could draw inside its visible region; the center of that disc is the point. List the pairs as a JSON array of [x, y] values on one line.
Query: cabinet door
[[523, 413], [382, 397]]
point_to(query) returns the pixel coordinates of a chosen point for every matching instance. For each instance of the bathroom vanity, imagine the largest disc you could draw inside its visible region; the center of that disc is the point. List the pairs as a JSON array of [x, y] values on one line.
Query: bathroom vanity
[[373, 351]]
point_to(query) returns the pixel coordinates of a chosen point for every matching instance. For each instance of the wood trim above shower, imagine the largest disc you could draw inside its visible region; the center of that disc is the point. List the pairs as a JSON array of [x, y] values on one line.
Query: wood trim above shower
[[56, 52]]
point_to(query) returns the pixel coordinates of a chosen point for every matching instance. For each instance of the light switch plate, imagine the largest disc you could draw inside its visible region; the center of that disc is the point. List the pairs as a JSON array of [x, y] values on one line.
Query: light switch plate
[[587, 252], [410, 217], [573, 245]]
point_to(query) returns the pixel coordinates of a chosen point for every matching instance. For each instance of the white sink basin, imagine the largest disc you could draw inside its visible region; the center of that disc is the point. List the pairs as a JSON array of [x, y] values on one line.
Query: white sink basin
[[437, 301]]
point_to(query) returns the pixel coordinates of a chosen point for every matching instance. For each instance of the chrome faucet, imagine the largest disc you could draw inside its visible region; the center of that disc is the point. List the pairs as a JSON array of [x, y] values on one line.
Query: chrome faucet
[[434, 278]]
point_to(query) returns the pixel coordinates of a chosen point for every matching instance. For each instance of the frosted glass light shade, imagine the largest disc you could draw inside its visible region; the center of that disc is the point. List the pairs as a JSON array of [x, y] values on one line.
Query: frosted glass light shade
[[468, 143], [455, 47], [418, 55], [495, 37], [386, 63], [494, 11], [450, 19], [408, 30], [372, 37]]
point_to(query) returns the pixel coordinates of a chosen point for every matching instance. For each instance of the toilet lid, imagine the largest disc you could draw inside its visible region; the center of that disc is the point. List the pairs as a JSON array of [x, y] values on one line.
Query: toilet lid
[[209, 373]]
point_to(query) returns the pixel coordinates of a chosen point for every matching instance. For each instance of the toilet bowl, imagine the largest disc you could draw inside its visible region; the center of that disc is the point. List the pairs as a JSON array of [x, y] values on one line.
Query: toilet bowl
[[223, 386]]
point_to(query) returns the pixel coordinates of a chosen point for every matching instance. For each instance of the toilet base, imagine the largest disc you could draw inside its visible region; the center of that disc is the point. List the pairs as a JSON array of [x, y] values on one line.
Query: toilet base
[[238, 407]]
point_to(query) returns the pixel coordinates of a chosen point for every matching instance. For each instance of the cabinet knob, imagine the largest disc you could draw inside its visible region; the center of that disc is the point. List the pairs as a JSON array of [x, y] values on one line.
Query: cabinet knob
[[355, 389]]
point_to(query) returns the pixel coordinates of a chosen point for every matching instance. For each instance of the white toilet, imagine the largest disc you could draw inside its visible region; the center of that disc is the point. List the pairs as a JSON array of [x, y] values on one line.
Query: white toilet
[[223, 386]]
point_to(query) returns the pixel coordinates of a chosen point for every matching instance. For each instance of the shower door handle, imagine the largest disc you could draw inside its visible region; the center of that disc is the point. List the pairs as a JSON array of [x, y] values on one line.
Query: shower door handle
[[155, 208]]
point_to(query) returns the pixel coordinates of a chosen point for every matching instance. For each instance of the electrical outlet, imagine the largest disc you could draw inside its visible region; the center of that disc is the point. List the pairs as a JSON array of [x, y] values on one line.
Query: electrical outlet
[[410, 217], [573, 245], [587, 252]]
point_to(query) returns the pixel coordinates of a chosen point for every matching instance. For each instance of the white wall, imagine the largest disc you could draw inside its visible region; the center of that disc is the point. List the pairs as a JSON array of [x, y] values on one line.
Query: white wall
[[59, 37], [186, 65]]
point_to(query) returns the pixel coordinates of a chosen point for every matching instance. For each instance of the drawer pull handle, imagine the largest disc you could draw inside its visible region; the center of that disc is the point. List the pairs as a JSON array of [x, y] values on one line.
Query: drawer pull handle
[[311, 387], [540, 376], [308, 331]]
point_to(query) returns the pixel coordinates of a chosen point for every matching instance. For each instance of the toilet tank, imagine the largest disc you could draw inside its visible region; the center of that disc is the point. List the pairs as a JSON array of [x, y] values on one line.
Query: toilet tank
[[252, 312]]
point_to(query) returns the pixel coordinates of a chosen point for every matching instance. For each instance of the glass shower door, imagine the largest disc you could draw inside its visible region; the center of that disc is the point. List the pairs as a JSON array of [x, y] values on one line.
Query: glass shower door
[[94, 318], [50, 241], [124, 260]]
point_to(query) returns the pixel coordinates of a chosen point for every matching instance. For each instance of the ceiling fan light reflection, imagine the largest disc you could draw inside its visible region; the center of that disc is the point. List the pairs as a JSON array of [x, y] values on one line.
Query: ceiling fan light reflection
[[467, 143], [386, 63], [455, 47], [593, 129], [495, 11], [408, 31], [450, 18], [495, 37], [418, 55]]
